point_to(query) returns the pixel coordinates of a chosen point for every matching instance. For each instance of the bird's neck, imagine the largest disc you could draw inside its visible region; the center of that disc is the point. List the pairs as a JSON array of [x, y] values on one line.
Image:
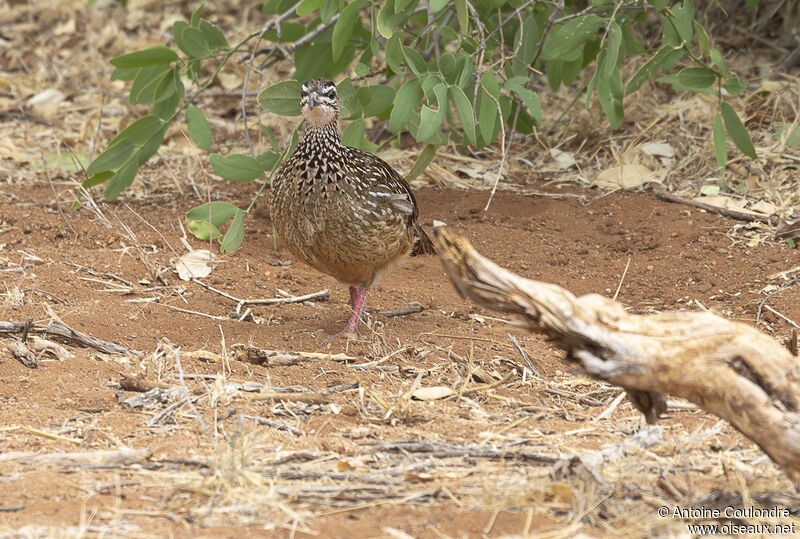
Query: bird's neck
[[323, 136]]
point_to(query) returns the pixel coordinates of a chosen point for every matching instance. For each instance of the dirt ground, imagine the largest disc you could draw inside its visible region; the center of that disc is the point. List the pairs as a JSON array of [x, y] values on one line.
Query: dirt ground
[[341, 462], [227, 419]]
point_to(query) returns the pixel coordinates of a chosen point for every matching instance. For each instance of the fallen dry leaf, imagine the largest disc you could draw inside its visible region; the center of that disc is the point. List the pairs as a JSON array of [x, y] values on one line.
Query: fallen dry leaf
[[627, 177], [432, 393], [195, 264]]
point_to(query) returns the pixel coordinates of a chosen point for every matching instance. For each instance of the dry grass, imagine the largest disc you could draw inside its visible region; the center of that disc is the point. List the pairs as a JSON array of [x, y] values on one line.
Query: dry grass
[[598, 473]]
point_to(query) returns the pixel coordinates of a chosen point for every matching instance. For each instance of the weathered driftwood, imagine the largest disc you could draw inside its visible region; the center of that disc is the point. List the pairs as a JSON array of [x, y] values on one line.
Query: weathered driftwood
[[725, 367]]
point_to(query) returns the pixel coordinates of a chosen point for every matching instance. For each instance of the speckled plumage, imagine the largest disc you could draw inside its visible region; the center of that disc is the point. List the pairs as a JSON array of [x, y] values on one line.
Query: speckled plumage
[[343, 211]]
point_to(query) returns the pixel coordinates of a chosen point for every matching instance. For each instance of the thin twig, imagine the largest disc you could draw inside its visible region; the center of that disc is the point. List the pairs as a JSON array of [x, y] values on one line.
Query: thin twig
[[559, 5], [519, 348], [740, 215], [410, 309], [321, 295], [200, 422], [624, 273], [60, 330], [53, 189]]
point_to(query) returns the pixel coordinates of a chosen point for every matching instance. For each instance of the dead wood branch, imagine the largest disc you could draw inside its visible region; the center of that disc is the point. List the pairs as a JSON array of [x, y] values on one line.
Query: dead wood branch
[[72, 335], [444, 450], [733, 214], [725, 367], [117, 457]]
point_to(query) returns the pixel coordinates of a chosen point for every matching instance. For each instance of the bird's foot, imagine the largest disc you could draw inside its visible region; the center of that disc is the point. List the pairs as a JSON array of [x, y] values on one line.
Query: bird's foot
[[349, 331], [346, 332]]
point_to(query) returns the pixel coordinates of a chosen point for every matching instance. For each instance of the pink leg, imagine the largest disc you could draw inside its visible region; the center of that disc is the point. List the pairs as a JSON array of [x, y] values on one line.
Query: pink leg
[[357, 297]]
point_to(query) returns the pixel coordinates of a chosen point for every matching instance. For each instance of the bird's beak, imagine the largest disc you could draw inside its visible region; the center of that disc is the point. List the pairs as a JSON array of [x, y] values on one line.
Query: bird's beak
[[312, 101]]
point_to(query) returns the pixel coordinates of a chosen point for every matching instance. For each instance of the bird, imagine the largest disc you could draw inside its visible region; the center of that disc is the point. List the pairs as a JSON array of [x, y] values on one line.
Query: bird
[[343, 211]]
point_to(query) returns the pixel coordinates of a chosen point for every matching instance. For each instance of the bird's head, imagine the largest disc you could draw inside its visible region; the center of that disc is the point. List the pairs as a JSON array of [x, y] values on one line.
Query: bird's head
[[318, 102]]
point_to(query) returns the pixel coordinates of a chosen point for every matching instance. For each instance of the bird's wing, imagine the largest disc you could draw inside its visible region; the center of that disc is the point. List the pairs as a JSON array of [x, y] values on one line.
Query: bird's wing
[[388, 186]]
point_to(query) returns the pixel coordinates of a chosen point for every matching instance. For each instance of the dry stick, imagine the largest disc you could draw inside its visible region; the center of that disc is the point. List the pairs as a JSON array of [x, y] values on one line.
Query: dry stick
[[487, 387], [53, 189], [773, 311], [733, 214], [516, 344], [445, 450], [200, 422], [728, 368], [277, 425], [322, 294], [276, 22], [764, 301], [624, 273], [187, 311], [60, 330], [410, 309]]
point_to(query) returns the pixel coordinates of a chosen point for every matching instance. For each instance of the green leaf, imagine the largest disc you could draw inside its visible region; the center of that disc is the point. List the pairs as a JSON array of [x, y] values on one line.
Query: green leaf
[[649, 69], [214, 36], [684, 17], [405, 103], [269, 159], [139, 131], [568, 38], [113, 157], [328, 10], [120, 180], [720, 147], [348, 99], [610, 94], [143, 89], [202, 230], [702, 36], [193, 43], [345, 25], [97, 179], [236, 167], [436, 7], [792, 139], [487, 108], [462, 16], [415, 61], [166, 87], [382, 99], [196, 16], [529, 97], [353, 134], [158, 55], [281, 98], [611, 46], [737, 131], [718, 60], [165, 108], [680, 87], [424, 159], [385, 24], [697, 77], [220, 213], [307, 6], [734, 85], [360, 70], [124, 74], [466, 116], [430, 119], [235, 234], [393, 52], [199, 129]]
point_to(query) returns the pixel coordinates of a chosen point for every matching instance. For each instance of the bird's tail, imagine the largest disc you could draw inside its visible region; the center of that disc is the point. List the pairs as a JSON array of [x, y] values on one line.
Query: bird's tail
[[422, 243]]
